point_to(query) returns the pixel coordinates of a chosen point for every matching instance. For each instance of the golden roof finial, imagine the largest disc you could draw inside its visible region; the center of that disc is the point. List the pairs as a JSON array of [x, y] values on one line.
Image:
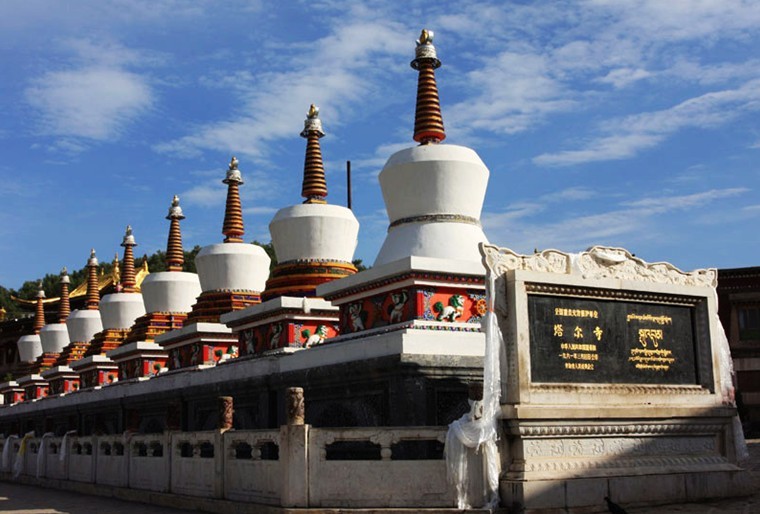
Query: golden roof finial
[[314, 187], [428, 122], [233, 228]]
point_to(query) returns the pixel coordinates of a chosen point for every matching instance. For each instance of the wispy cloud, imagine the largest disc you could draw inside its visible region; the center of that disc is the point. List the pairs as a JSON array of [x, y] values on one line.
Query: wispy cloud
[[95, 98], [630, 221], [334, 72], [625, 137]]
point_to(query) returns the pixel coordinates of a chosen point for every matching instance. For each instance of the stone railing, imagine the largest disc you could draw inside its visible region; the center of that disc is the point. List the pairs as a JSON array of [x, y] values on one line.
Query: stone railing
[[294, 466]]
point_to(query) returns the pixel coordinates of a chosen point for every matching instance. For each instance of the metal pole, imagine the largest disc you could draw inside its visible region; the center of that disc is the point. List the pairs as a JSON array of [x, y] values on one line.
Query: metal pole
[[348, 182]]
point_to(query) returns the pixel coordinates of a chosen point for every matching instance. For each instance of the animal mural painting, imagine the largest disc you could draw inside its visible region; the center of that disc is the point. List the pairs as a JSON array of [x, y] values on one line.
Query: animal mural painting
[[357, 316], [452, 311], [274, 336], [318, 337], [396, 309]]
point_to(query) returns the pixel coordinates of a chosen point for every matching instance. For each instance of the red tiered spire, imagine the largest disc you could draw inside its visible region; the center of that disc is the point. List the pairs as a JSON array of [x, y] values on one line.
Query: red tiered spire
[[233, 213], [428, 122], [39, 316], [314, 184], [128, 280], [93, 292], [64, 308], [175, 256]]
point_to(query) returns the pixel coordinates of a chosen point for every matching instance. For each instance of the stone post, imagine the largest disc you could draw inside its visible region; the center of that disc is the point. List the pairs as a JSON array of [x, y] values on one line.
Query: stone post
[[294, 452], [226, 412]]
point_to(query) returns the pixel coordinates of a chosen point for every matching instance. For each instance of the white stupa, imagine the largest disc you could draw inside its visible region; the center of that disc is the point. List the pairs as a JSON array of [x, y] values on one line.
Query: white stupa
[[120, 310], [55, 336], [173, 290], [433, 193], [314, 241], [30, 346], [83, 324]]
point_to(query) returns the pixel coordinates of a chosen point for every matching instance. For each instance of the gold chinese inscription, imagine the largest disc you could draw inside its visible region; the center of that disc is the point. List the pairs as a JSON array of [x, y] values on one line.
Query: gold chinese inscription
[[576, 353], [650, 356]]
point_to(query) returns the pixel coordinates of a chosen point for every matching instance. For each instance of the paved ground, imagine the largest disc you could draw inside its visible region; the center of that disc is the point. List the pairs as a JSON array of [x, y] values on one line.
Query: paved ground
[[25, 499]]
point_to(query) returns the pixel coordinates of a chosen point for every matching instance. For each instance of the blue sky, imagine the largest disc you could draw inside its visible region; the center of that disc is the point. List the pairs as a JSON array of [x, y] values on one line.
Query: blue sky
[[622, 123]]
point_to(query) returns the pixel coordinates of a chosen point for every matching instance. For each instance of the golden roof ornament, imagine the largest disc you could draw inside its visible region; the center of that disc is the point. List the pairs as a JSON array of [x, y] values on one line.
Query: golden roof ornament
[[233, 228], [428, 122], [314, 187]]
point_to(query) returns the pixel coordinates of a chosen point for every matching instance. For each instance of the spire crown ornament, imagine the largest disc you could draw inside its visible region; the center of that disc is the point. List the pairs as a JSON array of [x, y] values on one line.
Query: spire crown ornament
[[314, 188], [175, 256], [233, 173], [128, 279], [233, 228], [175, 211], [93, 292], [64, 307], [428, 122], [39, 316]]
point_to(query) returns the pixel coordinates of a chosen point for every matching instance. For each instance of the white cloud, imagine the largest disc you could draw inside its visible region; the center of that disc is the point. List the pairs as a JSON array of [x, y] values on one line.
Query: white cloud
[[92, 103], [335, 72], [625, 137], [622, 77], [627, 223]]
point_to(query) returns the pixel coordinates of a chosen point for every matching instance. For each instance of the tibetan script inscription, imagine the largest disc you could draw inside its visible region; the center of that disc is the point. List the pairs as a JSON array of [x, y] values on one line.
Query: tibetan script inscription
[[605, 341]]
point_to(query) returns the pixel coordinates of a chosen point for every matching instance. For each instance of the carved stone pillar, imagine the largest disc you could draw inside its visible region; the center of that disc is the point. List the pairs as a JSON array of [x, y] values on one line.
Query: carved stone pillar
[[226, 412], [295, 406]]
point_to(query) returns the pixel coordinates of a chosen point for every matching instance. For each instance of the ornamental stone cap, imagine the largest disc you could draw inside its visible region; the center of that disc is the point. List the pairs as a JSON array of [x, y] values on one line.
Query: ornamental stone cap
[[233, 173], [93, 260], [65, 276], [425, 50], [129, 238], [40, 291], [312, 123]]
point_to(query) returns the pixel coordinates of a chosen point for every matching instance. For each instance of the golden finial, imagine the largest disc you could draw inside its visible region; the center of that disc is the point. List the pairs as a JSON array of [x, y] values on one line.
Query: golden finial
[[425, 37], [313, 111]]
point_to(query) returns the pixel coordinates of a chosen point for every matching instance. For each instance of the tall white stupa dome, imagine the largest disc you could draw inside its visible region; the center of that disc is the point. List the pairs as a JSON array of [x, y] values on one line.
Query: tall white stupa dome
[[173, 290], [55, 336], [314, 241], [30, 346], [120, 310], [433, 193], [83, 324]]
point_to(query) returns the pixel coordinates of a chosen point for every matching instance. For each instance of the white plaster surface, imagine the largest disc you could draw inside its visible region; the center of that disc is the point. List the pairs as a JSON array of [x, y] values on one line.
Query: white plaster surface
[[196, 476], [275, 304], [434, 179], [233, 266], [145, 348], [83, 324], [120, 310], [54, 337], [55, 468], [29, 347], [314, 231], [170, 291], [456, 241]]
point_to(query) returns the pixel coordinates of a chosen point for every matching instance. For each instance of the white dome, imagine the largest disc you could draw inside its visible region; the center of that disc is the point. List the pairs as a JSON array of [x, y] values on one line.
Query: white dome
[[29, 348], [120, 310], [170, 291], [314, 231], [83, 324], [437, 193], [54, 337], [233, 266]]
